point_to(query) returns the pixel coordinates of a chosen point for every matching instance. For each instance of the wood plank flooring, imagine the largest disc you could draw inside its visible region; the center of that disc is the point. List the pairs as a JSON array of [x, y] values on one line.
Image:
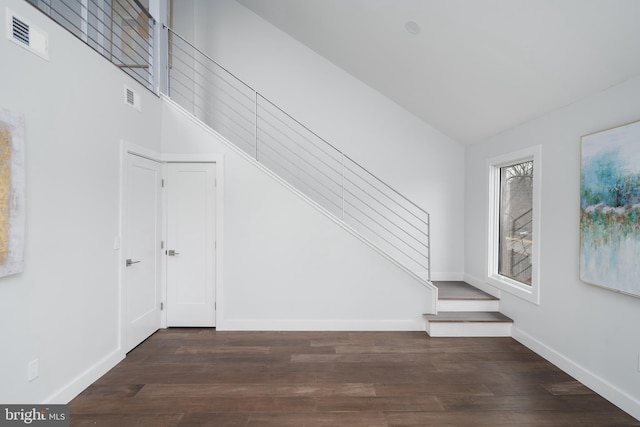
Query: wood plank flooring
[[201, 377]]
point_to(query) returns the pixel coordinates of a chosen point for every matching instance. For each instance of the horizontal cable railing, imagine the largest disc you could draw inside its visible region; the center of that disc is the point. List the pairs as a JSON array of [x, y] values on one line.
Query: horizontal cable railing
[[306, 161], [120, 30]]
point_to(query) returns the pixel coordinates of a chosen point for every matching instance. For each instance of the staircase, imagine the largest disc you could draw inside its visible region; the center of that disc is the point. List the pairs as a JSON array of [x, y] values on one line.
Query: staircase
[[332, 181], [257, 129], [465, 311]]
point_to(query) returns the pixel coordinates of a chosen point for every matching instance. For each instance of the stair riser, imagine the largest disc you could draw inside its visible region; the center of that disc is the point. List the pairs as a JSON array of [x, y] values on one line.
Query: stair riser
[[468, 305], [469, 329]]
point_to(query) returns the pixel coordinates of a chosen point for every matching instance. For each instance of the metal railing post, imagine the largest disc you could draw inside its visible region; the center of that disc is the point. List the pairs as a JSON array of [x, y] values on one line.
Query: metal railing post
[[167, 61], [428, 247], [342, 184], [256, 122]]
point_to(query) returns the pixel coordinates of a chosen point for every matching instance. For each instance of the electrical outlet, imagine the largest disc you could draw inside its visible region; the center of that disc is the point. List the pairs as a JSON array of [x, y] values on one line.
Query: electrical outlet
[[33, 370]]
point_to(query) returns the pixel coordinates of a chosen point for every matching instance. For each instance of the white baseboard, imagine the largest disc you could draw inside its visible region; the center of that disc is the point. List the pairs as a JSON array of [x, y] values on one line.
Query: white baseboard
[[605, 389], [320, 325], [85, 379]]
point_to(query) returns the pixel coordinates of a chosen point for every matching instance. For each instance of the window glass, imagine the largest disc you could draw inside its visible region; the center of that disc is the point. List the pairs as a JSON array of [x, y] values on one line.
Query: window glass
[[516, 222]]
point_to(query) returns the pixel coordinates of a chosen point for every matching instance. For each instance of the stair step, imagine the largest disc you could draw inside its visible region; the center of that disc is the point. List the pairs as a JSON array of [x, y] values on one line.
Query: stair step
[[461, 296], [467, 316], [466, 311], [468, 305], [468, 324], [458, 290]]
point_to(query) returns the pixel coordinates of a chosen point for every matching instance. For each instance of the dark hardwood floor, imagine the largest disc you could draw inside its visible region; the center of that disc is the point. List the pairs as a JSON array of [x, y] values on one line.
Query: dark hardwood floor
[[200, 377]]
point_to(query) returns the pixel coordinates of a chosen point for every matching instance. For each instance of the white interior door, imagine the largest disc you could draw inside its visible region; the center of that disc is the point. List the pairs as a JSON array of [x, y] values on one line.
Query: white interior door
[[191, 234], [142, 234]]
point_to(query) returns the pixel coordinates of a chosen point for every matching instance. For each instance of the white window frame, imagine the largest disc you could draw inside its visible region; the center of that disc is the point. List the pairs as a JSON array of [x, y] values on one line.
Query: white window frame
[[527, 292]]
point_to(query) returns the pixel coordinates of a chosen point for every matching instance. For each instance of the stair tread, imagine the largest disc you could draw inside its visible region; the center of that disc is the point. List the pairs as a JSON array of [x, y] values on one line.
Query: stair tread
[[459, 290], [467, 316]]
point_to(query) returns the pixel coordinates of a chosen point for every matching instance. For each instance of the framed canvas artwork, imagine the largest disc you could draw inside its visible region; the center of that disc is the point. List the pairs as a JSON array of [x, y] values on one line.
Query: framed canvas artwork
[[12, 193], [610, 209]]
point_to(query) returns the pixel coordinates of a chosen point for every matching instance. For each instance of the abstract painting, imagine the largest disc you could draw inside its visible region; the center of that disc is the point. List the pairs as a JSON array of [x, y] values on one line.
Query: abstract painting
[[610, 209], [12, 193]]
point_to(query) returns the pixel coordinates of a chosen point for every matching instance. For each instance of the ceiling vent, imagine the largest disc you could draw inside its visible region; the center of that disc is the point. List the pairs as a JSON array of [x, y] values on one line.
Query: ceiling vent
[[22, 33], [132, 98]]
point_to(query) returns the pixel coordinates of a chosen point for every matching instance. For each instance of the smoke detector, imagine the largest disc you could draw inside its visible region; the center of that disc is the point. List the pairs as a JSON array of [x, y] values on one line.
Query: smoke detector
[[412, 27]]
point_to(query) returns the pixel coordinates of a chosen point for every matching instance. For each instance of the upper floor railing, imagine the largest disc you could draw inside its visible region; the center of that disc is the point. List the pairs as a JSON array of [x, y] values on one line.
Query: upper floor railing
[[122, 31], [291, 150]]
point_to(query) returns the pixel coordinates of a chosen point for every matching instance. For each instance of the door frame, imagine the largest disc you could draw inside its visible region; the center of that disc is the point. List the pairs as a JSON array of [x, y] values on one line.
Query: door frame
[[127, 148]]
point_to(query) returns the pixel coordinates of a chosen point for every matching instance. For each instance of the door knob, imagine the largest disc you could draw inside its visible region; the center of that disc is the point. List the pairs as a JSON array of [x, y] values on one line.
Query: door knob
[[129, 263], [171, 252]]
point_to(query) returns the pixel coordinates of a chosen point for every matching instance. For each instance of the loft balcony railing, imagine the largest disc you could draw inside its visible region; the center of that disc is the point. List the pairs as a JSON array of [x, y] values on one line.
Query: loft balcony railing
[[122, 31], [312, 165]]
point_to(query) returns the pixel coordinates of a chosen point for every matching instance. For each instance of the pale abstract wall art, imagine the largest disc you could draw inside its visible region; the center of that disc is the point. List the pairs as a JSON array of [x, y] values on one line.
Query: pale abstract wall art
[[610, 209], [12, 193]]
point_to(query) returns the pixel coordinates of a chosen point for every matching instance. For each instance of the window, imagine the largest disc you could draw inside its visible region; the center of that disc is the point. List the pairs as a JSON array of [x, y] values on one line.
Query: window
[[514, 198]]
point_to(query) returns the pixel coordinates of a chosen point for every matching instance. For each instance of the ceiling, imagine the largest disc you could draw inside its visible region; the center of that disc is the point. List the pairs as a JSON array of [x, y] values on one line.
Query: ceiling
[[475, 67]]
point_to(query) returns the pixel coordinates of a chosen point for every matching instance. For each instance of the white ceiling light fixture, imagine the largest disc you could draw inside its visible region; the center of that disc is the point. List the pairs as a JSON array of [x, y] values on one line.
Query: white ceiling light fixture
[[412, 27]]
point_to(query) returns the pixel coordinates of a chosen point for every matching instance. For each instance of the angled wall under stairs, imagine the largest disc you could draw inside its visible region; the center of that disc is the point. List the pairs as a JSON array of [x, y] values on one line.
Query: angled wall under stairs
[[287, 264]]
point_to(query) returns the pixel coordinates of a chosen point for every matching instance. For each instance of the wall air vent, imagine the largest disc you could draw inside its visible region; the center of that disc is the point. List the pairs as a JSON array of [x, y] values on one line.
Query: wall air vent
[[132, 98], [21, 32]]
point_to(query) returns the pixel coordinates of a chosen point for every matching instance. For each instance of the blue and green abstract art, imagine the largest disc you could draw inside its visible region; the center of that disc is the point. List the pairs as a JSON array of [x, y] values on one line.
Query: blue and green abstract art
[[610, 209]]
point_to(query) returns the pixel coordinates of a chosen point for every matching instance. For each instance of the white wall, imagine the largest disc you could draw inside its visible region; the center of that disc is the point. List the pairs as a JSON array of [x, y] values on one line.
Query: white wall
[[404, 151], [286, 265], [590, 332], [64, 308]]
